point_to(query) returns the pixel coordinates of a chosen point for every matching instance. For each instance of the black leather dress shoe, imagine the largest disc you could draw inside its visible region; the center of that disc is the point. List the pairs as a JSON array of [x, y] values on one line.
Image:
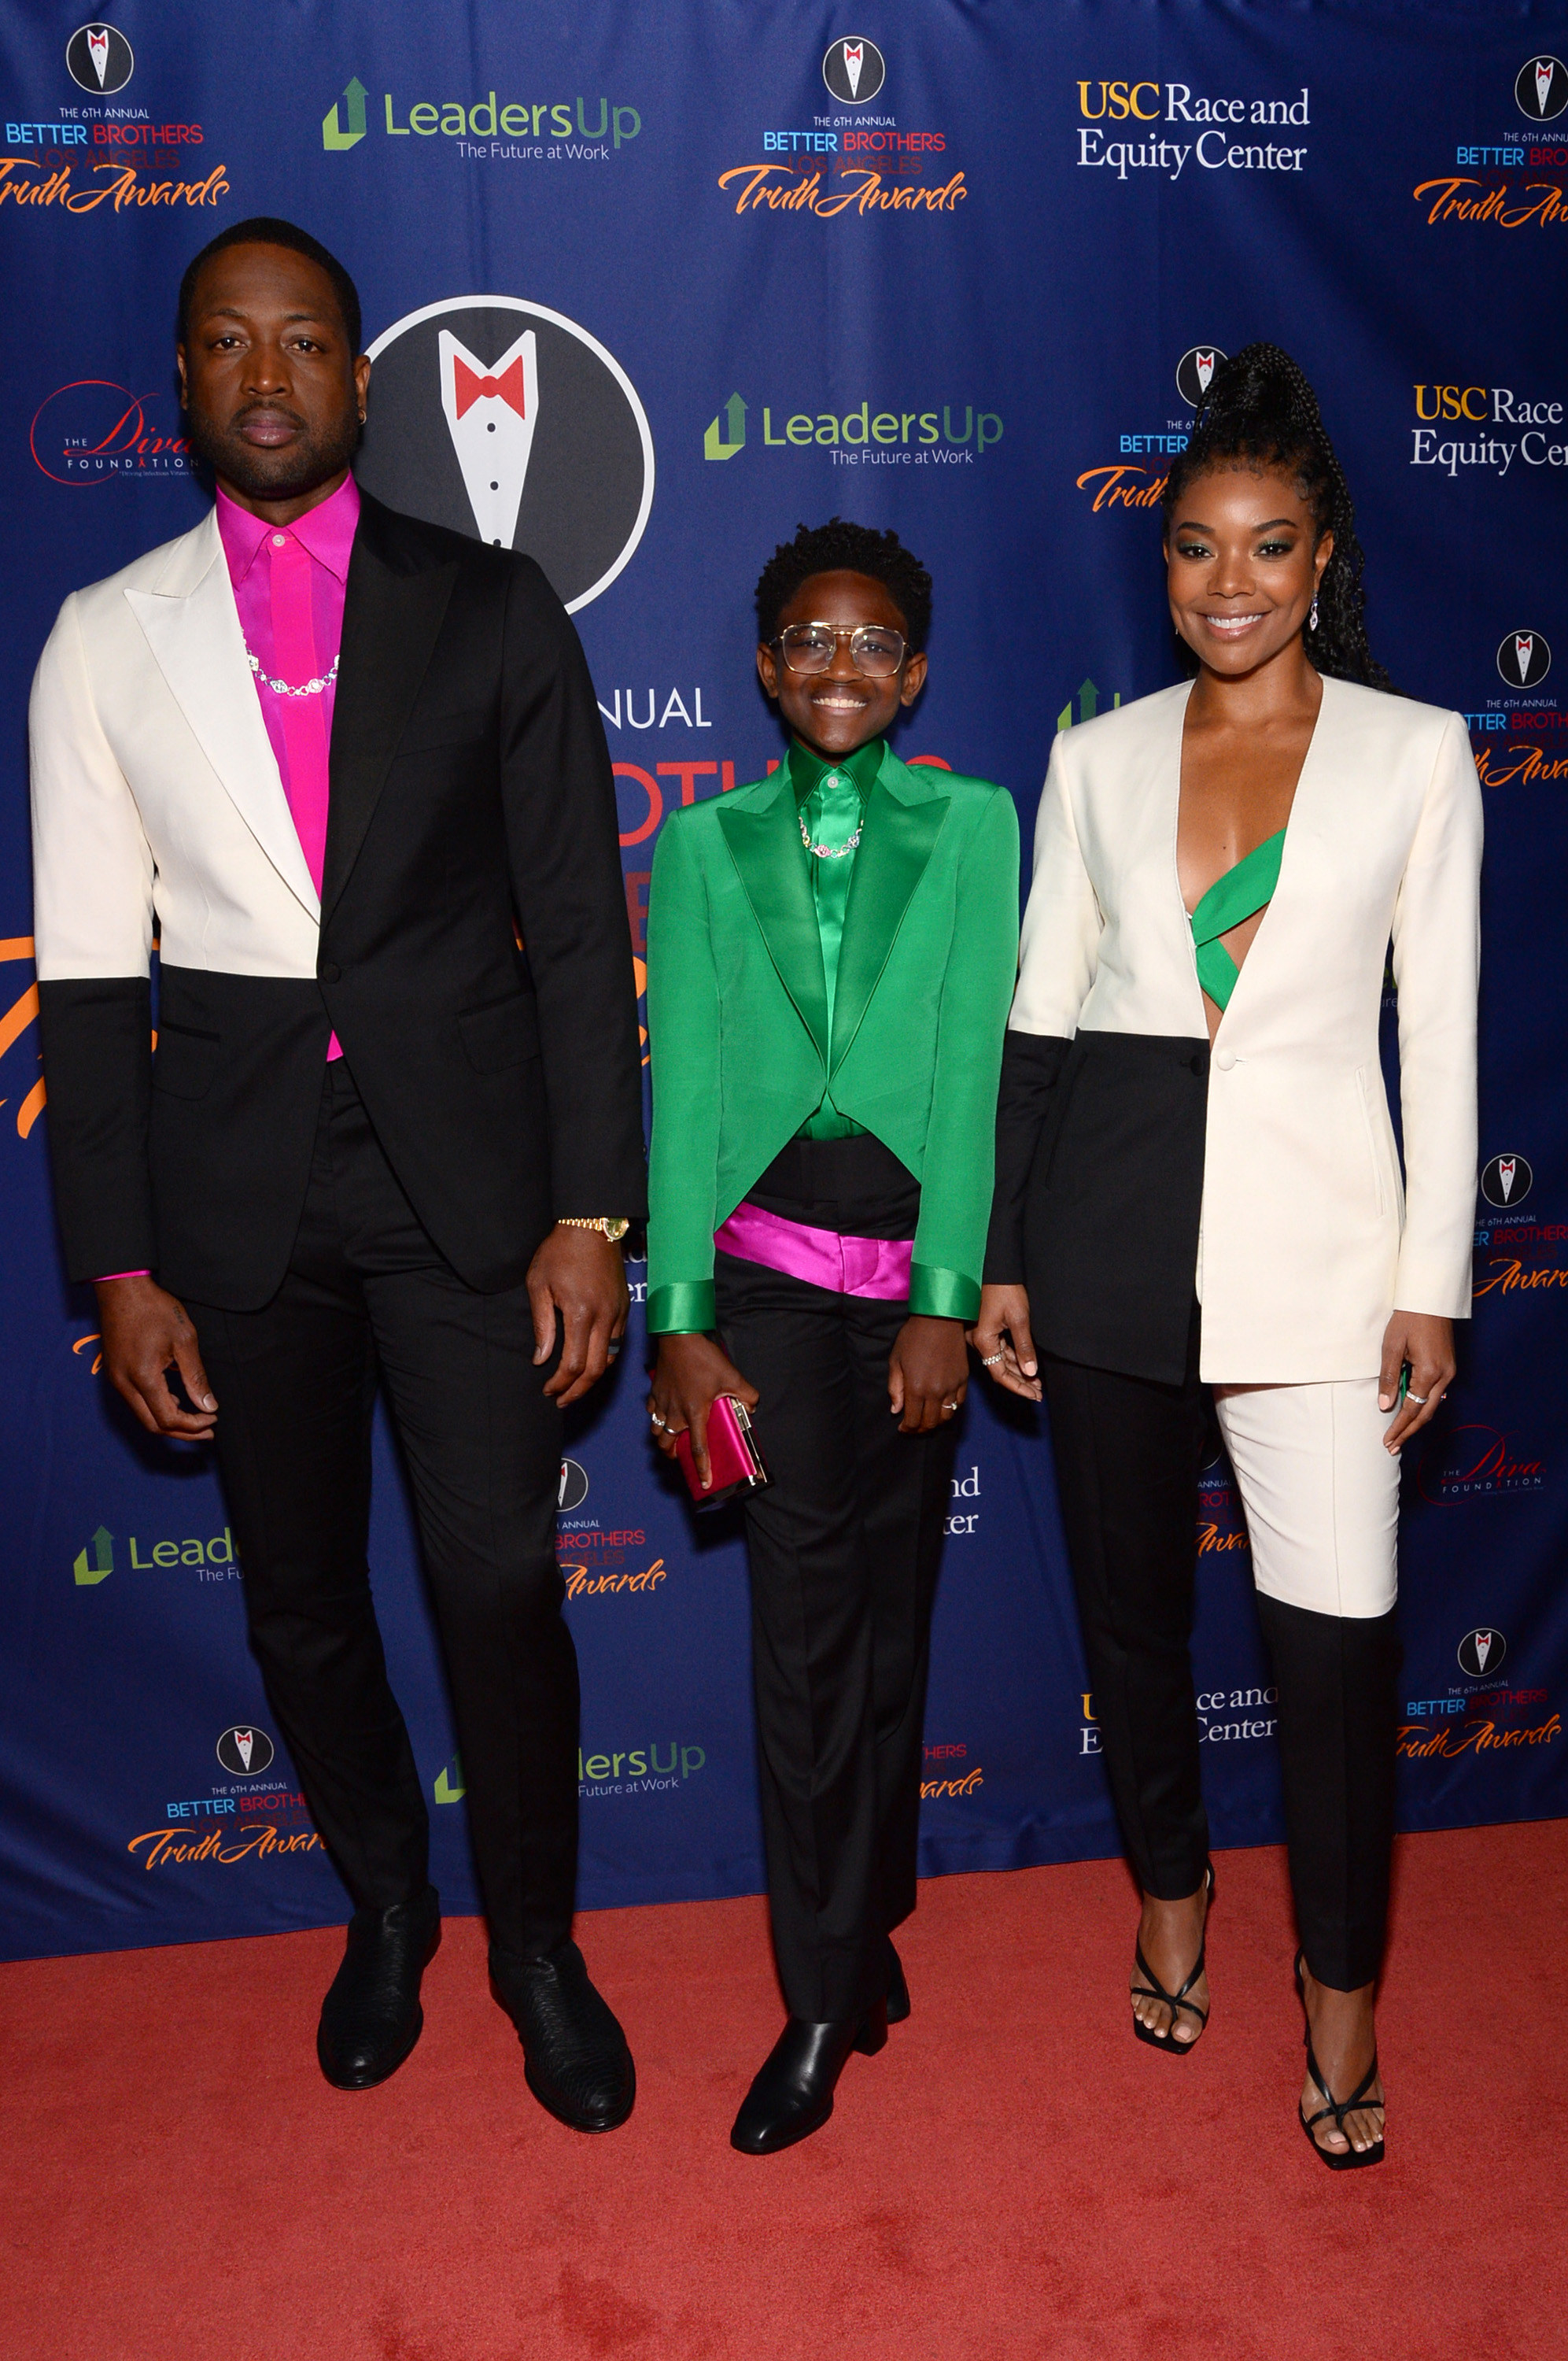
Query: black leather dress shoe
[[371, 2017], [793, 2095], [897, 1988], [574, 2054]]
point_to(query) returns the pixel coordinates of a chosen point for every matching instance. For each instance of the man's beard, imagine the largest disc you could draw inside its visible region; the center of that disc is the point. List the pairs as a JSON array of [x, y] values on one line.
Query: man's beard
[[275, 475]]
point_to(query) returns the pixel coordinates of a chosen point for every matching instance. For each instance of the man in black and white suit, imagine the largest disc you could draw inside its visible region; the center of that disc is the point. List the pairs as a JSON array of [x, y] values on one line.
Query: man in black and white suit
[[348, 768]]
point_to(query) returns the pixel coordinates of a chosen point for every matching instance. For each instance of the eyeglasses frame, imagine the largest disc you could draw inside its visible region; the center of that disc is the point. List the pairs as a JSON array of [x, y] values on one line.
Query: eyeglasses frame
[[851, 634]]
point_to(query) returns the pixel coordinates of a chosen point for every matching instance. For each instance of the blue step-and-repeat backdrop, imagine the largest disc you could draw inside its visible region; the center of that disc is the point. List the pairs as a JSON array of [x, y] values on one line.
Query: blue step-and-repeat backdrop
[[962, 266]]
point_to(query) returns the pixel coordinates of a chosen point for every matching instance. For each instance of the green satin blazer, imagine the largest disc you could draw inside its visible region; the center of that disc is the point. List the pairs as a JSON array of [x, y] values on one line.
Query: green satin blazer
[[737, 1015]]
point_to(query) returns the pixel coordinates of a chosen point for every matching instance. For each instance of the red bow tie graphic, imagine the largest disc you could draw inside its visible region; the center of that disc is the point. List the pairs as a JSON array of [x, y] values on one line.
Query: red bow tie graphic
[[469, 389]]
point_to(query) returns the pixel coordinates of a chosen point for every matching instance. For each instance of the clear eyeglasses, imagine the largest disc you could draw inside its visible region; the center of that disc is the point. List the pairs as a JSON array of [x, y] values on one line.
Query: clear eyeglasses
[[875, 652]]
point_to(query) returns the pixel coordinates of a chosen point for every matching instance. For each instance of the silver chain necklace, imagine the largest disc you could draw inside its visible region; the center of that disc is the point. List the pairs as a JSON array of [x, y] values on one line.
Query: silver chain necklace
[[286, 687]]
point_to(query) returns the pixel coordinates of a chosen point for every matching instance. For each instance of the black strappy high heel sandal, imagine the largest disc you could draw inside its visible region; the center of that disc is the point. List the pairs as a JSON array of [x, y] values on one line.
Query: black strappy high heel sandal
[[1334, 2111], [1153, 1990]]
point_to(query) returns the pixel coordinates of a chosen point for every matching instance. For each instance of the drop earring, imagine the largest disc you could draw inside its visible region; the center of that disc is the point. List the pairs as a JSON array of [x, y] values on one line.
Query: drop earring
[[1312, 618]]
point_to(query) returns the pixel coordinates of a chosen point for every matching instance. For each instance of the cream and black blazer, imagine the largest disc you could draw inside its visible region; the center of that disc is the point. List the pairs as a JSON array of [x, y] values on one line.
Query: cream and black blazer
[[1136, 1168], [471, 805]]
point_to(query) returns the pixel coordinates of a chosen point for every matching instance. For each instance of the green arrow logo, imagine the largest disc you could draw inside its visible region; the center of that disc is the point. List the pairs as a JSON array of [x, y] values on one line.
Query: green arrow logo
[[713, 447], [449, 1786], [333, 134], [103, 1558], [1088, 705]]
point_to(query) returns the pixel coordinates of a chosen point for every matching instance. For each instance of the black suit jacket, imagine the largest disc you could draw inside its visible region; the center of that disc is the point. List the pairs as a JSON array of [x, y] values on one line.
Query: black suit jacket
[[1100, 1194], [472, 803]]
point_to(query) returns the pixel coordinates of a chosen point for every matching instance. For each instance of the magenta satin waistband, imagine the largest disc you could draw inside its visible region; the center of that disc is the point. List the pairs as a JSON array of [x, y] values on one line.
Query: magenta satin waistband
[[878, 1267]]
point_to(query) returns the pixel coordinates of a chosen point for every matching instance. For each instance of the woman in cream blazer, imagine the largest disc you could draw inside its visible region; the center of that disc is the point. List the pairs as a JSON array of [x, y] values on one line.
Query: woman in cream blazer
[[1199, 1187]]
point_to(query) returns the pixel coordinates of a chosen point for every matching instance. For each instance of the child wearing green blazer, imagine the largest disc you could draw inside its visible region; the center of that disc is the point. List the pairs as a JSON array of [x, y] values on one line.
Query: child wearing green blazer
[[832, 955]]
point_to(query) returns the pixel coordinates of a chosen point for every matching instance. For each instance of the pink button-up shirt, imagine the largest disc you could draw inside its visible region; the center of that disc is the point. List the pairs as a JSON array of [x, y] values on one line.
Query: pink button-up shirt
[[289, 585], [289, 588]]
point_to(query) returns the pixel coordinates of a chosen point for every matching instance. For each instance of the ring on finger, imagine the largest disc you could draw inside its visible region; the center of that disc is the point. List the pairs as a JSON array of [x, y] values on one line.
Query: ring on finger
[[950, 1405], [989, 1360], [1417, 1398], [657, 1421]]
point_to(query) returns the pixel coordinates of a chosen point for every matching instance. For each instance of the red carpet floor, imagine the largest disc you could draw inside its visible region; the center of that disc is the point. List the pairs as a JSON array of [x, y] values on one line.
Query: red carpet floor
[[1014, 2176]]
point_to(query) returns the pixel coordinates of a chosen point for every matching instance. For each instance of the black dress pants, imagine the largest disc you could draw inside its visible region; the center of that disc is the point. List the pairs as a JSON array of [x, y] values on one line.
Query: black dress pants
[[843, 1548], [368, 1297], [1128, 1451]]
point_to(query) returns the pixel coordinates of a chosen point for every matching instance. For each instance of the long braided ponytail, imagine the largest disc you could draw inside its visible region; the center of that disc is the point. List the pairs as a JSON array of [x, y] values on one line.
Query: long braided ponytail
[[1260, 411]]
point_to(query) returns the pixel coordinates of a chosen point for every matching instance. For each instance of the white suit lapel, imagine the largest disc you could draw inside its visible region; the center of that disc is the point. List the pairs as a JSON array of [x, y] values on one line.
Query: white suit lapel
[[193, 628]]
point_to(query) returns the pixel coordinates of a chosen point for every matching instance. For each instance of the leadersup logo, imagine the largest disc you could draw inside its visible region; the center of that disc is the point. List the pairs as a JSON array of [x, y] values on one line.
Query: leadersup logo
[[1213, 120], [486, 131], [646, 1773], [505, 420], [859, 437], [214, 1560]]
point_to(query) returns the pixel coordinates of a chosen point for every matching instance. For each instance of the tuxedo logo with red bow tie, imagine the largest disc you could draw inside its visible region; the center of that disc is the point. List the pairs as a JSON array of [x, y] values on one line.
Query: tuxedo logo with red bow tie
[[246, 1751], [99, 58], [1540, 89], [510, 423], [854, 70], [1482, 1652], [492, 414], [1524, 658], [1508, 1180], [1195, 373]]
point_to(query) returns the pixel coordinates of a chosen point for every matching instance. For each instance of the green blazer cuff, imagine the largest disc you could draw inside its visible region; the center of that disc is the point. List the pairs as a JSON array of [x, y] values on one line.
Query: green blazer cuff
[[687, 1306], [938, 1294]]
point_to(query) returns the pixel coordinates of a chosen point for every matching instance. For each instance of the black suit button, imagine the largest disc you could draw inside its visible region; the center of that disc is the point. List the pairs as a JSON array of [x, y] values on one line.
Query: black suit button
[[329, 972]]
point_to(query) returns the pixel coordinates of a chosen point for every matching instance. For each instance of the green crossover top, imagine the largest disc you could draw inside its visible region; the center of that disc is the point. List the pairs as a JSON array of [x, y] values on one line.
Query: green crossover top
[[1240, 894]]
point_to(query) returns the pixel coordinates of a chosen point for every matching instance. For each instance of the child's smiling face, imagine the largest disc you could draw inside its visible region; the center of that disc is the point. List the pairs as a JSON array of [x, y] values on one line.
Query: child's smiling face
[[835, 711]]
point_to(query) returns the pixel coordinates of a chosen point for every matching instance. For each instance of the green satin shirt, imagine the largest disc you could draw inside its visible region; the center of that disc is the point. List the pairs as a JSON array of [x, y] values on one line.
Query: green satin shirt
[[831, 800]]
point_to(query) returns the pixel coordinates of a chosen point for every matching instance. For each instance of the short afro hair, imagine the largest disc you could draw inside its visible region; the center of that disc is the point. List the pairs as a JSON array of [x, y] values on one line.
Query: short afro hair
[[840, 547], [266, 229]]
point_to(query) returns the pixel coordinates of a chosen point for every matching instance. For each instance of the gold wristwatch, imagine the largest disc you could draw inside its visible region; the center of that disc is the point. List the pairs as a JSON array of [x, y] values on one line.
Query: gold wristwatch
[[613, 1226]]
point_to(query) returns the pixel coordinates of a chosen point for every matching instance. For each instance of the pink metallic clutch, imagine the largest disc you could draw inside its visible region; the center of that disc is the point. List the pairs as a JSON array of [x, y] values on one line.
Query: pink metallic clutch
[[734, 1461]]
